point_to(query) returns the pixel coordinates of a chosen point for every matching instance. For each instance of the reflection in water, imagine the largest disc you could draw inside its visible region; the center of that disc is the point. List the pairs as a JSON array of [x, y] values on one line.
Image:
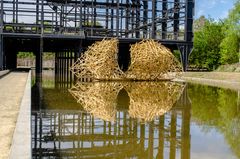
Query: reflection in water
[[148, 100], [98, 99], [219, 109], [107, 130], [104, 125]]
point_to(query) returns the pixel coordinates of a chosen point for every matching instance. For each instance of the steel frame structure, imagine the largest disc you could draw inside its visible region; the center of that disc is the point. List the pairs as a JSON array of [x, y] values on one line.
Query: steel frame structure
[[169, 21]]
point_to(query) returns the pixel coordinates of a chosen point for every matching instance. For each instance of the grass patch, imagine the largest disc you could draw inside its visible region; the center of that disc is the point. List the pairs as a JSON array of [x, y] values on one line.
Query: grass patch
[[229, 68]]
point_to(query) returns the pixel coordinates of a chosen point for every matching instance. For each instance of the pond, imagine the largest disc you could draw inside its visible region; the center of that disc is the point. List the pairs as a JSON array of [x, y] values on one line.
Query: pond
[[133, 120]]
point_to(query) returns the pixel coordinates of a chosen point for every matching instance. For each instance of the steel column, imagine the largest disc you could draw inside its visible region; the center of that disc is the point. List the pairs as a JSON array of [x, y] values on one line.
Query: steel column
[[164, 18], [137, 18], [185, 51], [154, 15], [1, 17], [16, 11], [176, 19], [39, 57], [189, 20], [42, 17], [117, 20], [145, 18], [127, 19]]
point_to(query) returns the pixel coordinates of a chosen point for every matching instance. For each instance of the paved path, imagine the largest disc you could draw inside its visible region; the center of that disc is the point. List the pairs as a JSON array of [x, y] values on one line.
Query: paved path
[[4, 72], [12, 87]]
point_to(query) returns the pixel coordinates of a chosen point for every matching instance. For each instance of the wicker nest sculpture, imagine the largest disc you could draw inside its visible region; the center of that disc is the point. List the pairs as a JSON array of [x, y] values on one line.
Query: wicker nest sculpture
[[149, 100], [149, 61], [152, 61], [99, 62], [97, 98]]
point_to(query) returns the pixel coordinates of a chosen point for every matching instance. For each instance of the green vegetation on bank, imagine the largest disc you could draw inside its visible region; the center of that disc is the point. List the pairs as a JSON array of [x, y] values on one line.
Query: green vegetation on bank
[[30, 55], [229, 68], [216, 42]]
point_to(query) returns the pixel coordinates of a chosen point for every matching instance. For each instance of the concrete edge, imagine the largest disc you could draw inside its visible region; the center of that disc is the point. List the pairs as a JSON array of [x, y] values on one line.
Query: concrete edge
[[4, 73], [21, 147], [212, 82]]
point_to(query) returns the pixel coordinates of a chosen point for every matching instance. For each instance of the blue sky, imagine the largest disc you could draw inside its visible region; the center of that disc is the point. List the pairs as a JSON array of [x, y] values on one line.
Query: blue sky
[[216, 9]]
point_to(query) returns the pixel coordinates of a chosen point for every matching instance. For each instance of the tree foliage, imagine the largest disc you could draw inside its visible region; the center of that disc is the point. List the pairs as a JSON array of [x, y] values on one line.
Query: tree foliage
[[230, 43], [217, 42], [229, 49], [207, 42]]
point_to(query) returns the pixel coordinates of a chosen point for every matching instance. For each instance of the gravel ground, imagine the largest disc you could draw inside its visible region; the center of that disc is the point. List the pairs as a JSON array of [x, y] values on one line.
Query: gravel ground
[[11, 92]]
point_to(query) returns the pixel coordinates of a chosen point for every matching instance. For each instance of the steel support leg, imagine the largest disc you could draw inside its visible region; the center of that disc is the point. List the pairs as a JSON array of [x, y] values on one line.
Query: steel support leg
[[185, 51], [39, 58]]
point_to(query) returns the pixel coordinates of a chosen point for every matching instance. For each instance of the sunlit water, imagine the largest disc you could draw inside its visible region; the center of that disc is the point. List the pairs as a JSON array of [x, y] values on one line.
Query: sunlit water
[[144, 120]]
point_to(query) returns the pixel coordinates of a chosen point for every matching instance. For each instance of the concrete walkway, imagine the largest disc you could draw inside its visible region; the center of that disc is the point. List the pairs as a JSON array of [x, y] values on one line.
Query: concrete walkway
[[12, 88], [3, 73], [229, 80]]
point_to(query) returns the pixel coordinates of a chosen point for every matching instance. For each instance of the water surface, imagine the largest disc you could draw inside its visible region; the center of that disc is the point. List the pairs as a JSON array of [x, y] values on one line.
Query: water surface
[[142, 120]]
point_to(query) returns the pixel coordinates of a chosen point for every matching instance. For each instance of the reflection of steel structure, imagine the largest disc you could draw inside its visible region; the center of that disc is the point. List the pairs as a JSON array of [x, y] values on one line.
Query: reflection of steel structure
[[59, 132], [79, 135], [41, 25]]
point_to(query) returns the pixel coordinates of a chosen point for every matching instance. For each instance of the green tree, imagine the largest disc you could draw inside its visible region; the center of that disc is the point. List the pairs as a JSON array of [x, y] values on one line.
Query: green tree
[[230, 44], [207, 42], [229, 49]]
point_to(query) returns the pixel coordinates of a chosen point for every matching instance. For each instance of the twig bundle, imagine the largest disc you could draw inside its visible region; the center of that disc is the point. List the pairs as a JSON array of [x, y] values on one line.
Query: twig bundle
[[151, 61], [99, 61]]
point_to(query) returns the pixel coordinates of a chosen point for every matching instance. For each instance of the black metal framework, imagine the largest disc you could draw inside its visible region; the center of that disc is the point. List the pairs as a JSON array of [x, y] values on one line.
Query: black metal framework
[[169, 21]]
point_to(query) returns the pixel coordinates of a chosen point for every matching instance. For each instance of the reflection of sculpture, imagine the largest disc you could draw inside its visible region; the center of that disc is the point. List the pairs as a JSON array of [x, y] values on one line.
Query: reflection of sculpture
[[147, 99], [98, 98], [151, 99]]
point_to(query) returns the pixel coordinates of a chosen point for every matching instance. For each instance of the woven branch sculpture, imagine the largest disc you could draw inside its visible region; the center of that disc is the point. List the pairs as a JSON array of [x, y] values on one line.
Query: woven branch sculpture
[[149, 61], [152, 61], [99, 62], [148, 100]]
